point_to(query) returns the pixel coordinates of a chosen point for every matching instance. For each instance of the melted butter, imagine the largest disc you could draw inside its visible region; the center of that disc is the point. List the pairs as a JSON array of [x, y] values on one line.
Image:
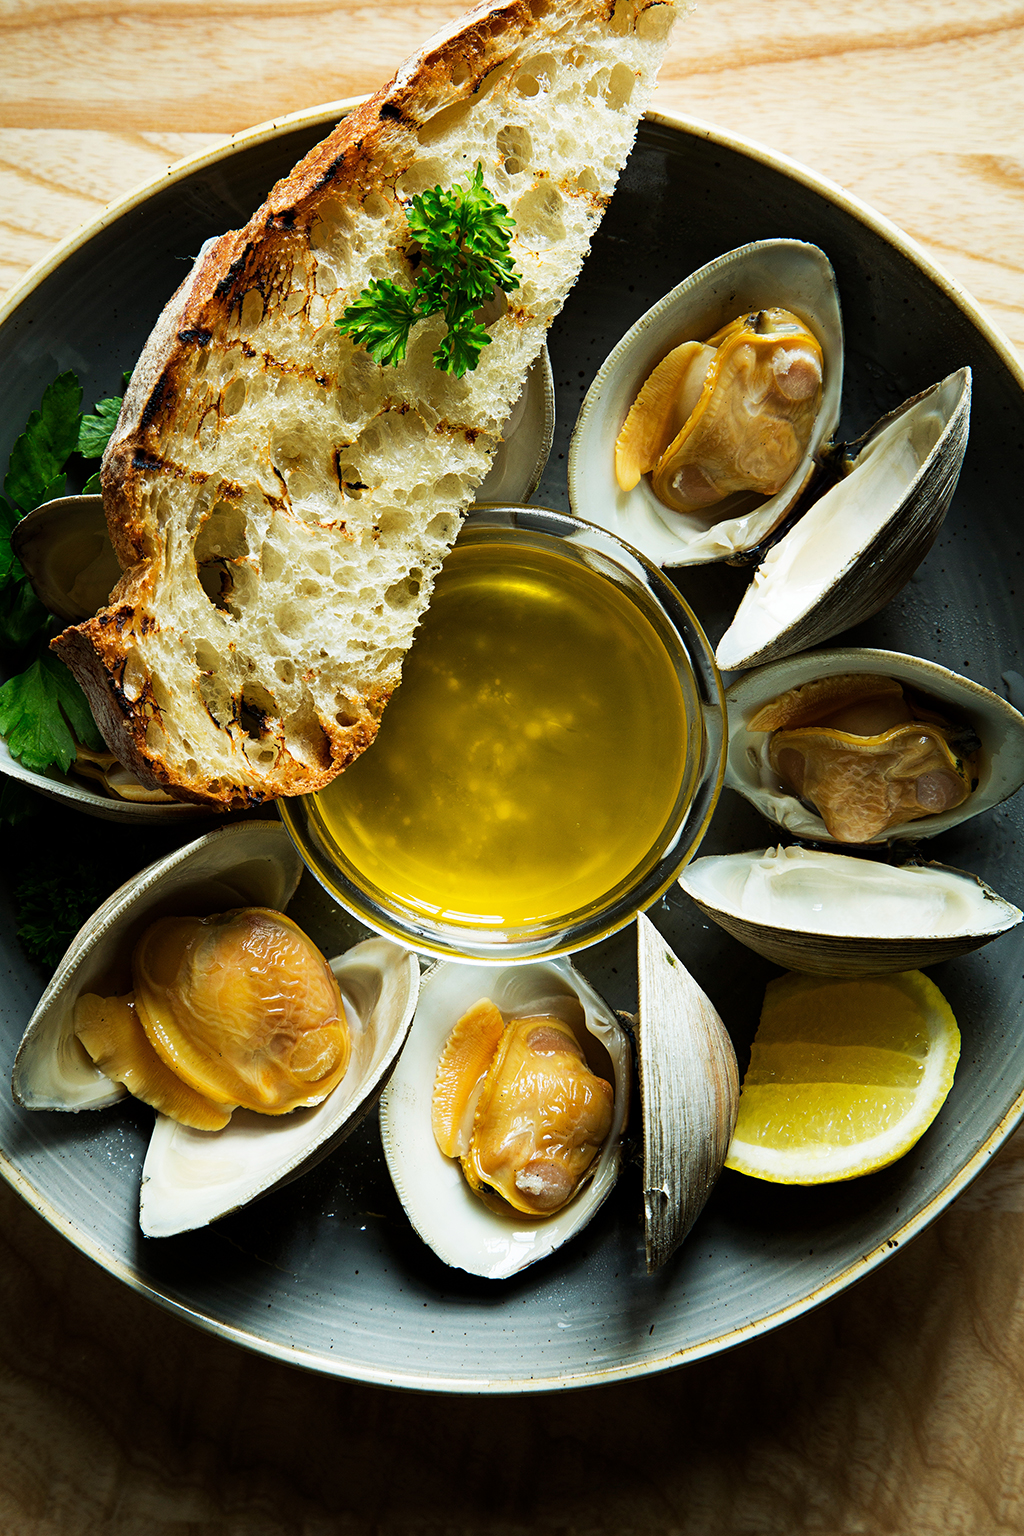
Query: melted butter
[[531, 758]]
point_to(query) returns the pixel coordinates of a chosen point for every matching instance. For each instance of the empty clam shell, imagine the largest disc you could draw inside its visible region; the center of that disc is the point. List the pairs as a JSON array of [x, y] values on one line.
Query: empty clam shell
[[689, 1084], [192, 1177], [68, 557], [999, 727], [859, 544], [834, 915], [787, 274], [449, 1217]]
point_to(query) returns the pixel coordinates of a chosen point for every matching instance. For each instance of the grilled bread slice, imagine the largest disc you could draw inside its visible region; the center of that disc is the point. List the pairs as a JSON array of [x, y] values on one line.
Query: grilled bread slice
[[278, 502]]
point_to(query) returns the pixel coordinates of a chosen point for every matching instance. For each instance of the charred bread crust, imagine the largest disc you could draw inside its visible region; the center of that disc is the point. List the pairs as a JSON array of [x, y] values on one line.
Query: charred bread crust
[[203, 482]]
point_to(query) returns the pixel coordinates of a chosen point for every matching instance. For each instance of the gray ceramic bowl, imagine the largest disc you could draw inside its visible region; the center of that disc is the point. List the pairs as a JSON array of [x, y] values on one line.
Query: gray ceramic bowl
[[328, 1273]]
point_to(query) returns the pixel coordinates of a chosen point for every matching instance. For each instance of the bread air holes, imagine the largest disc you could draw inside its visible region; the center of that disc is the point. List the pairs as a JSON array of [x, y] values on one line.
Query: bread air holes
[[654, 23], [404, 593], [536, 74], [257, 708], [620, 87], [284, 671], [252, 311], [515, 147], [232, 398], [428, 172], [538, 215]]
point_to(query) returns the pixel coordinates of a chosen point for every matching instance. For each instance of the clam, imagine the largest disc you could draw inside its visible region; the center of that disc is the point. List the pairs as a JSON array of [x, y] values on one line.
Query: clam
[[68, 557], [860, 542], [872, 744], [834, 915], [689, 1086], [779, 295], [193, 1176], [491, 1236]]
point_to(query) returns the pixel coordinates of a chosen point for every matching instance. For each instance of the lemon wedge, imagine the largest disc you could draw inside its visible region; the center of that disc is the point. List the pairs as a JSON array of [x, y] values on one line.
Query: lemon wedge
[[844, 1076]]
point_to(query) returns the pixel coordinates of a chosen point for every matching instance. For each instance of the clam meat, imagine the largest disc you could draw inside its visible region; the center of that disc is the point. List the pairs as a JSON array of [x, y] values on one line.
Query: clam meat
[[198, 1015], [709, 418], [870, 746], [237, 1009], [503, 1119], [867, 754], [732, 414], [519, 1106]]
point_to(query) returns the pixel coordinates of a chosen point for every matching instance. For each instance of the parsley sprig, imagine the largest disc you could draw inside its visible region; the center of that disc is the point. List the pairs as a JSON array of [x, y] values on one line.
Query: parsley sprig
[[463, 236], [43, 712]]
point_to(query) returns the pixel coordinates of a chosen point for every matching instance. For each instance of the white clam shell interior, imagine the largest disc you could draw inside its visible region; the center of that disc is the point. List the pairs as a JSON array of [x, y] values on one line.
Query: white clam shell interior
[[526, 442], [849, 553], [440, 1204], [248, 864], [788, 274], [813, 891], [998, 724], [192, 1177]]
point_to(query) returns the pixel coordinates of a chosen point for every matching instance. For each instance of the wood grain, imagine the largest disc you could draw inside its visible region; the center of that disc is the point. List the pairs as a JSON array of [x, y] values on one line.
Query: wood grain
[[897, 1408]]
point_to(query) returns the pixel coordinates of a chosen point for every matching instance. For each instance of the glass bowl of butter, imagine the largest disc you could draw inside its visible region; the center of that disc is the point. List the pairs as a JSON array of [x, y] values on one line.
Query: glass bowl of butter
[[548, 765]]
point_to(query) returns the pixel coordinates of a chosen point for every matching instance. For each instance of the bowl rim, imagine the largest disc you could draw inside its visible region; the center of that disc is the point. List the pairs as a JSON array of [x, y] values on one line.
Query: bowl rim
[[706, 769], [887, 231]]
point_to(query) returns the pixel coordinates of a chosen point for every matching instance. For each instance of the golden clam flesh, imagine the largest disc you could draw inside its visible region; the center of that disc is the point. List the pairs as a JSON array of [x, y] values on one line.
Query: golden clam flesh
[[732, 414], [235, 1010], [867, 754], [517, 1103]]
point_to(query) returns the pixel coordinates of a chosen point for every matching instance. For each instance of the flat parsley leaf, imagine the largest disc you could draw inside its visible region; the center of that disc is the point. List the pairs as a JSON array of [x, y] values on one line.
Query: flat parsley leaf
[[34, 474], [36, 709], [94, 433]]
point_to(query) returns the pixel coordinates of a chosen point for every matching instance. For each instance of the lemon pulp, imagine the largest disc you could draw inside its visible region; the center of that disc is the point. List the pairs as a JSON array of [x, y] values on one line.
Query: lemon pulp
[[532, 757], [844, 1077]]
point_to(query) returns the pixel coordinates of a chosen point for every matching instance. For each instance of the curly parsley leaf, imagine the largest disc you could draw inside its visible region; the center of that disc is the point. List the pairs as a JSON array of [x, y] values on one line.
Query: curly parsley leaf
[[52, 910], [380, 320], [464, 236], [35, 473], [42, 711], [96, 427]]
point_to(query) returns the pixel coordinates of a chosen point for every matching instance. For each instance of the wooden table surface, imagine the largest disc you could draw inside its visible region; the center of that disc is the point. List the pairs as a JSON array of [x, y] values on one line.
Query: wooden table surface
[[899, 1406]]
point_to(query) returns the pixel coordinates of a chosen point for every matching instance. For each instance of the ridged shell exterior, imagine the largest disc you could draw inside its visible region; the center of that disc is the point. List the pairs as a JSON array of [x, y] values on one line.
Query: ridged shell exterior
[[859, 544], [689, 1085], [817, 944], [788, 274], [250, 864], [191, 1177], [445, 1212], [999, 726]]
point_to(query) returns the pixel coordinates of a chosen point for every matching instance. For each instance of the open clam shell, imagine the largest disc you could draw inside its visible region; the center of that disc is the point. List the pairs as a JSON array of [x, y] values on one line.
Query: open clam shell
[[860, 543], [250, 864], [192, 1177], [999, 727], [66, 551], [689, 1084], [448, 1216], [833, 915], [788, 274]]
